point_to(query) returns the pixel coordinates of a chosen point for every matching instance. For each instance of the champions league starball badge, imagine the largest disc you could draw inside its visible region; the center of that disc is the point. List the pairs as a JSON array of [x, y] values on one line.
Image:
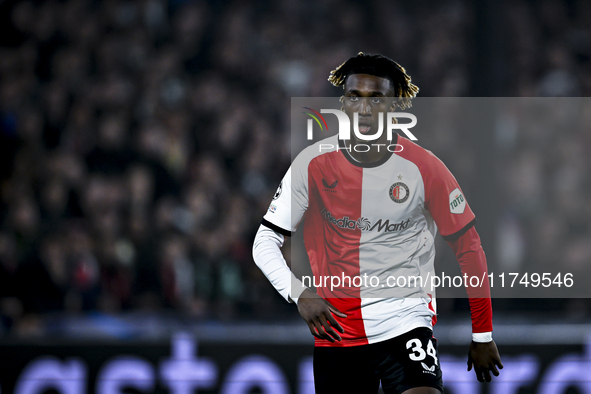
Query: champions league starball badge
[[278, 192], [399, 192]]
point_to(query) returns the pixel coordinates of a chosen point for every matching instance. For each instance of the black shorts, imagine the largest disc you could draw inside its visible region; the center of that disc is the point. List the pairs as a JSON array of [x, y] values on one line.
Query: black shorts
[[401, 363]]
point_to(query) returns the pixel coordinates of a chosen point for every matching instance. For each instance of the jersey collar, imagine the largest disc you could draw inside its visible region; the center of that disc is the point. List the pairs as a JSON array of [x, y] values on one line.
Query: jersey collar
[[342, 148]]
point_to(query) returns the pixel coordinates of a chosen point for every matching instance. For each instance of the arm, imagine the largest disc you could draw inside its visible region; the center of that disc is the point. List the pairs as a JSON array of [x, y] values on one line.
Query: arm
[[282, 218], [268, 257], [447, 205], [316, 311], [483, 354]]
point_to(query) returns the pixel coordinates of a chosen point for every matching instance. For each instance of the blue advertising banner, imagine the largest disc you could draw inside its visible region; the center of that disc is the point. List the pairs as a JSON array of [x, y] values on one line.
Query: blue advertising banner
[[185, 365]]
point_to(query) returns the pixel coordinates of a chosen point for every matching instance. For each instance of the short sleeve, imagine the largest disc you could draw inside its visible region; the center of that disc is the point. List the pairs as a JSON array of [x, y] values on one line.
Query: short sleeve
[[290, 201], [444, 198]]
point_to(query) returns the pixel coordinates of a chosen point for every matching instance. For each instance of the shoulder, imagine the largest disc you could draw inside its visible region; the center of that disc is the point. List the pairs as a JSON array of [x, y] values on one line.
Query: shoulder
[[428, 164], [317, 149]]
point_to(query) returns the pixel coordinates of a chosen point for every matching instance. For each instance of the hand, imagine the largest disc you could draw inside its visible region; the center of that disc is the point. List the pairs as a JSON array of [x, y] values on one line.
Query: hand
[[318, 314], [484, 356]]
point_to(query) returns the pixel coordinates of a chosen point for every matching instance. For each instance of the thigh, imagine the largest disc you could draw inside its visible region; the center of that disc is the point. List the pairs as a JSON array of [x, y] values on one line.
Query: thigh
[[344, 370], [412, 361]]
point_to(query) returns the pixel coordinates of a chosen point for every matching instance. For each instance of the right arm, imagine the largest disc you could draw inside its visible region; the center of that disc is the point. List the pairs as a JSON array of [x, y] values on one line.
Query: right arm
[[267, 255], [287, 208], [316, 311]]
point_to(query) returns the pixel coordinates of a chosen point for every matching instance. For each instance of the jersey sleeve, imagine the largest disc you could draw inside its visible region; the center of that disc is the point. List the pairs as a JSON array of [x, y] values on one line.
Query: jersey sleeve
[[472, 260], [267, 255], [290, 201], [444, 198]]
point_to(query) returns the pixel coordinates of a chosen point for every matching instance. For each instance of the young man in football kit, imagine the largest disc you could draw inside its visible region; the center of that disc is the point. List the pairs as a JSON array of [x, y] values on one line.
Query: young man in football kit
[[374, 212]]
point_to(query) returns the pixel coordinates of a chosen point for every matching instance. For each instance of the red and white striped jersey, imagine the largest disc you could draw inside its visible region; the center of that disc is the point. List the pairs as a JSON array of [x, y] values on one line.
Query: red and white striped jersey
[[371, 219]]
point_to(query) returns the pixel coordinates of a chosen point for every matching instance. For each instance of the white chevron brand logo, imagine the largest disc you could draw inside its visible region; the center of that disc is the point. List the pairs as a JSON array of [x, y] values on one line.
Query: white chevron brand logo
[[427, 369]]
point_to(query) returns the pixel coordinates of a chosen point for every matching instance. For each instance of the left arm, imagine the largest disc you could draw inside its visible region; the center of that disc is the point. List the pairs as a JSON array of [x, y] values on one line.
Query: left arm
[[447, 205], [483, 354]]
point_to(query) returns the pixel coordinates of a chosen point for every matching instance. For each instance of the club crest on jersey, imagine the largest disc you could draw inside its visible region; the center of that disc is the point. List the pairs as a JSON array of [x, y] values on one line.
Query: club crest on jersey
[[457, 202], [399, 192], [278, 192]]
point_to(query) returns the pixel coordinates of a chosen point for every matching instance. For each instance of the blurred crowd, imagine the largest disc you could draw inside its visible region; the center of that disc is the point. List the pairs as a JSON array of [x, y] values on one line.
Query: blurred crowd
[[141, 141]]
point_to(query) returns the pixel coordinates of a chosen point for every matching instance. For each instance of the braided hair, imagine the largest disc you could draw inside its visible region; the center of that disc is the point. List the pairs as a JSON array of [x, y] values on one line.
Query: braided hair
[[380, 66]]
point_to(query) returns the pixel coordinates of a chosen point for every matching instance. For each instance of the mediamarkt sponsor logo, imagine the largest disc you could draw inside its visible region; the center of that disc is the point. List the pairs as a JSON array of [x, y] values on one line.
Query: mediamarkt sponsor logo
[[364, 224]]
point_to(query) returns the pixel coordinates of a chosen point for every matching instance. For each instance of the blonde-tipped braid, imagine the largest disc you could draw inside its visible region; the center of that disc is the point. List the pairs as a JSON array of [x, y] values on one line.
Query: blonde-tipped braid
[[404, 89]]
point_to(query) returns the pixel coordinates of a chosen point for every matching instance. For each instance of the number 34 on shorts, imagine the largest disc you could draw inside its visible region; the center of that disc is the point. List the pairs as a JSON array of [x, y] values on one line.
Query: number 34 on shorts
[[423, 352]]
